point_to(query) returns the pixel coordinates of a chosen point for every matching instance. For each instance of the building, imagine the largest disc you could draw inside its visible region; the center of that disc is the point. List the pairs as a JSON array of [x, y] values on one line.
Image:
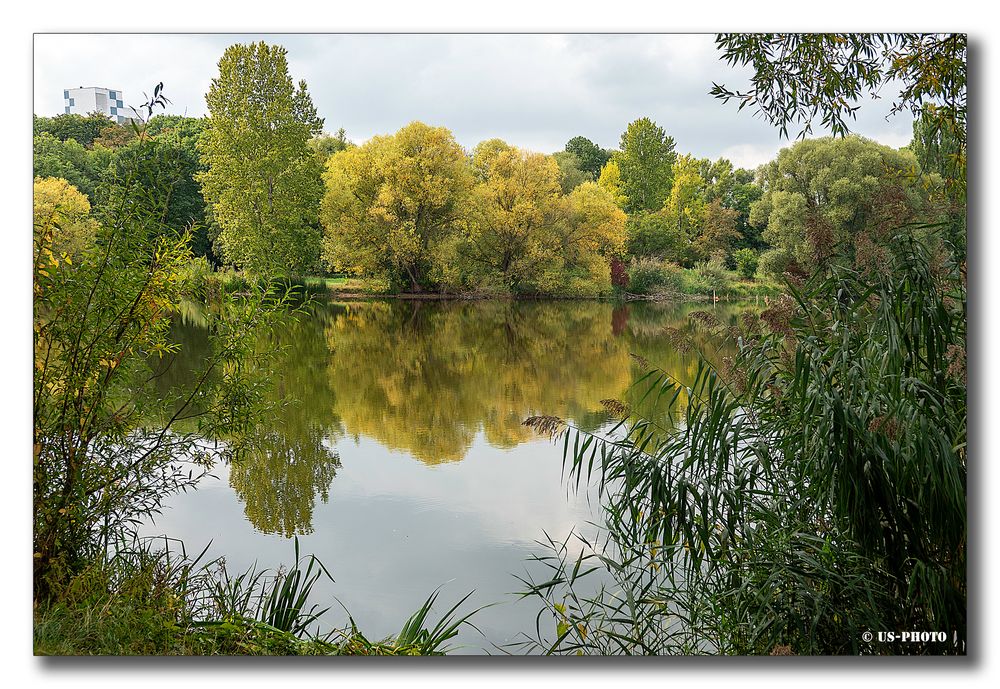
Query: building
[[87, 99]]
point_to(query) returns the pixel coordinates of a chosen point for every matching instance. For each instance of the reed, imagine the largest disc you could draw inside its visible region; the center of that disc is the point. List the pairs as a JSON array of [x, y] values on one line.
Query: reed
[[815, 488]]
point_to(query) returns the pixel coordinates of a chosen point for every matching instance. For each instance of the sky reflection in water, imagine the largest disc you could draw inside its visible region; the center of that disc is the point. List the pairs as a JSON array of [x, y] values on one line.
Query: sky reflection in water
[[401, 461]]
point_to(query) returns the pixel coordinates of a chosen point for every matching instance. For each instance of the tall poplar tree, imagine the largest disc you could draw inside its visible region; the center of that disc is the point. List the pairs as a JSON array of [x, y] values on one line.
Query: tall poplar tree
[[645, 161], [262, 180]]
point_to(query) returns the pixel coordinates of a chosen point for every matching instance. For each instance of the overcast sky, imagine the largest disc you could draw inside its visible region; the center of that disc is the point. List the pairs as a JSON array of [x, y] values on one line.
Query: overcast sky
[[533, 91]]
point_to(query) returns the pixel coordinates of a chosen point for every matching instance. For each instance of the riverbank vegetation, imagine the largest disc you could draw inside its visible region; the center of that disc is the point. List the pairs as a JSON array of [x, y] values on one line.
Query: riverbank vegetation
[[813, 490], [817, 489]]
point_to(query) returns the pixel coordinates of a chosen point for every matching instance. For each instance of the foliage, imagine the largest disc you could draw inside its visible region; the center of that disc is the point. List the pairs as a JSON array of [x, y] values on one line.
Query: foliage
[[655, 235], [261, 180], [650, 276], [69, 160], [941, 155], [83, 129], [746, 262], [571, 175], [146, 601], [816, 488], [166, 164], [591, 156], [515, 214], [115, 136], [645, 162], [59, 207], [393, 204], [106, 443], [593, 234], [799, 77], [685, 207], [610, 180], [325, 145], [823, 194]]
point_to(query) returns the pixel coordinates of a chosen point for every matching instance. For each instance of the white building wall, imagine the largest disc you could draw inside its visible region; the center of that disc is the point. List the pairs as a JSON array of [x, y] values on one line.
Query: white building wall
[[87, 99]]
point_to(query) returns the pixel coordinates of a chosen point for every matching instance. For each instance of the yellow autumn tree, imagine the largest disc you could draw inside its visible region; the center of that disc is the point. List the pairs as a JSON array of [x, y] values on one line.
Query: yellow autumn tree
[[513, 228], [392, 204], [610, 180], [685, 207], [60, 209], [594, 232]]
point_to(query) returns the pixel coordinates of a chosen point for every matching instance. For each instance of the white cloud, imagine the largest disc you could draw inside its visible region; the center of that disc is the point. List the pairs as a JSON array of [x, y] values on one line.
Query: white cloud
[[534, 90]]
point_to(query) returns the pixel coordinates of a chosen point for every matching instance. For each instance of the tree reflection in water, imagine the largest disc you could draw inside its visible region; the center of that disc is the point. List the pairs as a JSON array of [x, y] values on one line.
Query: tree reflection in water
[[426, 378]]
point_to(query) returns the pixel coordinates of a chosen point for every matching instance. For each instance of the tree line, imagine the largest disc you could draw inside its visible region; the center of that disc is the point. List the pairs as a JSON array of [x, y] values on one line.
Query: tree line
[[264, 189]]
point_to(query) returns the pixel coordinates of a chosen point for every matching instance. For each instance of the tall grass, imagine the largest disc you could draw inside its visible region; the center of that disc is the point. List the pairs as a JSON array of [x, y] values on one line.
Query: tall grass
[[815, 491], [146, 600]]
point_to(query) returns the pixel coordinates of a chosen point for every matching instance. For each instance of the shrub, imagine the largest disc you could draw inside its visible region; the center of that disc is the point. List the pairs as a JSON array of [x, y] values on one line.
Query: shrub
[[649, 276], [773, 263], [714, 273], [746, 261]]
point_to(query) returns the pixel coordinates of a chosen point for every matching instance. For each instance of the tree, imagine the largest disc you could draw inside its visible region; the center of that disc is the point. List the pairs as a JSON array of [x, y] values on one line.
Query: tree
[[325, 145], [69, 160], [261, 179], [718, 231], [115, 136], [822, 194], [593, 235], [570, 174], [60, 206], [654, 235], [82, 129], [187, 207], [645, 161], [591, 156], [610, 180], [163, 162], [393, 204], [512, 239], [799, 77], [685, 207], [106, 446]]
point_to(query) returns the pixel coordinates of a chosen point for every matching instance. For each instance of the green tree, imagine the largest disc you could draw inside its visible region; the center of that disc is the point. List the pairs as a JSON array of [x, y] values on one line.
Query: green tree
[[822, 194], [325, 145], [645, 164], [744, 193], [591, 156], [107, 445], [71, 161], [82, 129], [394, 204], [570, 174], [799, 77], [654, 235], [163, 162], [261, 179]]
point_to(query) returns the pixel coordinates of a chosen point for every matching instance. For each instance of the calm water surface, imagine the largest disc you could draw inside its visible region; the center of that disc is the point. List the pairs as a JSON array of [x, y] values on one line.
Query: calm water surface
[[400, 459]]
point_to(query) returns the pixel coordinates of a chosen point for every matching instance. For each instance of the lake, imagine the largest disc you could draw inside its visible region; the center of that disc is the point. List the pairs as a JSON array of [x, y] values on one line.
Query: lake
[[399, 458]]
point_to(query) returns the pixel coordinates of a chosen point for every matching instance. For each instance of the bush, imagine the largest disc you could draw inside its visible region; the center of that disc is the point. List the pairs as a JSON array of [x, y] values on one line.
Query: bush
[[649, 276], [714, 274], [746, 261], [773, 263]]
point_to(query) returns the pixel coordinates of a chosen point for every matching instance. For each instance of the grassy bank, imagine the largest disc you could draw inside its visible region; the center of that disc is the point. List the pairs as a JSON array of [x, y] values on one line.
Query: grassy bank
[[144, 602], [653, 279]]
